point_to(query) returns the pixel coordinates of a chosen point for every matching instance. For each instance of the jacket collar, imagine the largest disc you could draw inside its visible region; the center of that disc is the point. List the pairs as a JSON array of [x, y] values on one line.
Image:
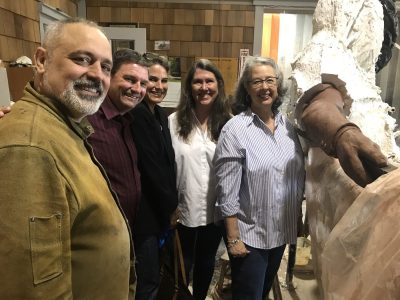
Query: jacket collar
[[83, 129]]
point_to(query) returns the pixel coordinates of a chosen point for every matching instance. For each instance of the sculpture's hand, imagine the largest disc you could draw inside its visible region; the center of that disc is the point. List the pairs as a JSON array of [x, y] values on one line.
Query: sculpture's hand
[[359, 157]]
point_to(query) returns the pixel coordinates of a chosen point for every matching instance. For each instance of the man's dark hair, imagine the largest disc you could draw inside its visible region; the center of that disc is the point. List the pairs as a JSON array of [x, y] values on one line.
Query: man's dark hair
[[127, 56]]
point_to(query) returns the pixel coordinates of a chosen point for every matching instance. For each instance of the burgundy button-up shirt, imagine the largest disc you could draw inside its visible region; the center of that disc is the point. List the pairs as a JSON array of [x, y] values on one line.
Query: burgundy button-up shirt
[[113, 146]]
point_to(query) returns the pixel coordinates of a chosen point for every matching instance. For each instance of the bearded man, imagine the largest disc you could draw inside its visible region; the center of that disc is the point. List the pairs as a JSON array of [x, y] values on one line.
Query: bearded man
[[62, 233]]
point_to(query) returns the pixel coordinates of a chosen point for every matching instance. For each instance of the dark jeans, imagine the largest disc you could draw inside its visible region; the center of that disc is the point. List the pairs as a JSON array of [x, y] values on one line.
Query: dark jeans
[[147, 267], [253, 275], [199, 247]]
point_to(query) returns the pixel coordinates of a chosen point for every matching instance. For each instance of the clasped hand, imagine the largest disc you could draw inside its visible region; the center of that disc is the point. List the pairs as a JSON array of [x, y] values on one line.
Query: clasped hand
[[359, 157], [238, 250]]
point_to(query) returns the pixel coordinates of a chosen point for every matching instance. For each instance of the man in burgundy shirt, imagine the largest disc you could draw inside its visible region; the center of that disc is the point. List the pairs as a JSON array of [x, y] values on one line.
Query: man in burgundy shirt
[[112, 140]]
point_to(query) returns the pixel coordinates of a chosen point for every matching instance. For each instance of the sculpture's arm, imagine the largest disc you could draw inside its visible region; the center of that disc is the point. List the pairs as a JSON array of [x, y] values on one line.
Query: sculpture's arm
[[326, 125]]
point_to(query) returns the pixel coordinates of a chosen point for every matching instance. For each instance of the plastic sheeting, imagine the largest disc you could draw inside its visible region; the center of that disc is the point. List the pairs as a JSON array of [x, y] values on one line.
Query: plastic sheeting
[[361, 258]]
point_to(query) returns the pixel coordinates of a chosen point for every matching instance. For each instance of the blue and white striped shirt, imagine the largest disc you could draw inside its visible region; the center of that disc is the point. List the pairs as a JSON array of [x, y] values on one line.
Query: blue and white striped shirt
[[260, 179]]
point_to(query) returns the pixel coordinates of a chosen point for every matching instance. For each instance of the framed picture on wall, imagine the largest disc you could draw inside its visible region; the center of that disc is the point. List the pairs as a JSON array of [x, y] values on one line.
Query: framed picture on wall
[[174, 66], [119, 44], [161, 45], [49, 14]]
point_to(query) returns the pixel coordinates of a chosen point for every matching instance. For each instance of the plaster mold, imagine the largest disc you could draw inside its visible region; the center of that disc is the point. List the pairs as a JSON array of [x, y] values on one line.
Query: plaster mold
[[345, 45]]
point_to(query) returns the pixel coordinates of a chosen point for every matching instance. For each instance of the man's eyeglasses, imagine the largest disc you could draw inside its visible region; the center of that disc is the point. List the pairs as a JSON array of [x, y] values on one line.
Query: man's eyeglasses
[[270, 81]]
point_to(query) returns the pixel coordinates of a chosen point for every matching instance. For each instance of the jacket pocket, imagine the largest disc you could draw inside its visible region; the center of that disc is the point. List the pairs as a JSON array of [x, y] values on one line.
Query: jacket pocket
[[46, 247]]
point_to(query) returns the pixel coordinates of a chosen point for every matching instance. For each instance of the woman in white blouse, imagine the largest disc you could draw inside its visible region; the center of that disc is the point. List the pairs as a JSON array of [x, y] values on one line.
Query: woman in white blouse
[[195, 128]]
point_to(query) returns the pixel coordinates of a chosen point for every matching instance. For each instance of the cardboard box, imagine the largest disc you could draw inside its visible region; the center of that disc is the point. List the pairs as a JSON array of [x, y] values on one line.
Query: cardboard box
[[18, 77]]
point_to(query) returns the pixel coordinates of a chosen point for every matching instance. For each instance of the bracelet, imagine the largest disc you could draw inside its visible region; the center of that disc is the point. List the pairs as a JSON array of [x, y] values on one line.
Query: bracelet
[[232, 243]]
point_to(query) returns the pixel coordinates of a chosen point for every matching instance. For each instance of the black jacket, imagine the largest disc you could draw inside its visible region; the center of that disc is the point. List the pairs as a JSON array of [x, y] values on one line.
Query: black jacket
[[156, 162]]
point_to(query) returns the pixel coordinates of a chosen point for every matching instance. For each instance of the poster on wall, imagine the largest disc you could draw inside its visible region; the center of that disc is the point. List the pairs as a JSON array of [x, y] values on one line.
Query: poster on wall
[[121, 44], [174, 66], [161, 45], [244, 53]]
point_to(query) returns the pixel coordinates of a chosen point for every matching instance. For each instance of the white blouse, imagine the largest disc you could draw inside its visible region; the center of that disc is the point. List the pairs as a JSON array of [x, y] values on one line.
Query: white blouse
[[195, 175]]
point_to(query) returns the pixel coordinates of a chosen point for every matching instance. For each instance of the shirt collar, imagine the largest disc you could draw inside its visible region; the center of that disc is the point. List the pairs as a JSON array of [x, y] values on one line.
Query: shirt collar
[[251, 117], [109, 109]]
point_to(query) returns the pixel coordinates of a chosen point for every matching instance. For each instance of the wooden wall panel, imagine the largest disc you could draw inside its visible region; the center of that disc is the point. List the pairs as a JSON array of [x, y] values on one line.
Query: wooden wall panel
[[189, 17], [229, 70], [185, 49], [126, 15], [137, 15], [208, 17], [207, 49], [156, 32], [19, 29], [105, 15], [67, 6], [7, 23], [93, 13], [175, 48], [148, 15], [249, 19], [179, 16], [13, 6], [201, 33], [182, 32], [159, 15], [227, 34], [215, 35], [248, 33], [237, 34], [120, 15], [29, 10], [29, 48], [193, 30], [194, 49], [168, 16], [4, 49]]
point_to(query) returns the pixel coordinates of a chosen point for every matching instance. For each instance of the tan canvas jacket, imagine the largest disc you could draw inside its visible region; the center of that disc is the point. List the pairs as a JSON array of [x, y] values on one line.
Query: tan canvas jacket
[[62, 235]]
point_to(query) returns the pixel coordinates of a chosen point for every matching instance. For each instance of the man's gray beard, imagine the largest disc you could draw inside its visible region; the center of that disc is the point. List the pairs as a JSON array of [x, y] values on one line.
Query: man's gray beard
[[78, 106]]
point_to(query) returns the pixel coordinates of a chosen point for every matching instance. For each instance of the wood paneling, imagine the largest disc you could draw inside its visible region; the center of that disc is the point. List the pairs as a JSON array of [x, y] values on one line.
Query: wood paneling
[[237, 34], [93, 13], [193, 29], [207, 49], [179, 16], [159, 16], [105, 15], [208, 17], [67, 6], [19, 29], [229, 70], [137, 15], [148, 15], [157, 32]]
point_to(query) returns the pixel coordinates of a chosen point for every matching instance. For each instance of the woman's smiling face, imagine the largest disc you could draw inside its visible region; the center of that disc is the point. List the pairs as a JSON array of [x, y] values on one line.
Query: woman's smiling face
[[263, 86], [204, 87]]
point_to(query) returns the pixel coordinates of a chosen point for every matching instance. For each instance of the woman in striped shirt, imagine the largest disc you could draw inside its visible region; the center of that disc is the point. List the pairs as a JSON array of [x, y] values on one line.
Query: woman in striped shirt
[[260, 180]]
